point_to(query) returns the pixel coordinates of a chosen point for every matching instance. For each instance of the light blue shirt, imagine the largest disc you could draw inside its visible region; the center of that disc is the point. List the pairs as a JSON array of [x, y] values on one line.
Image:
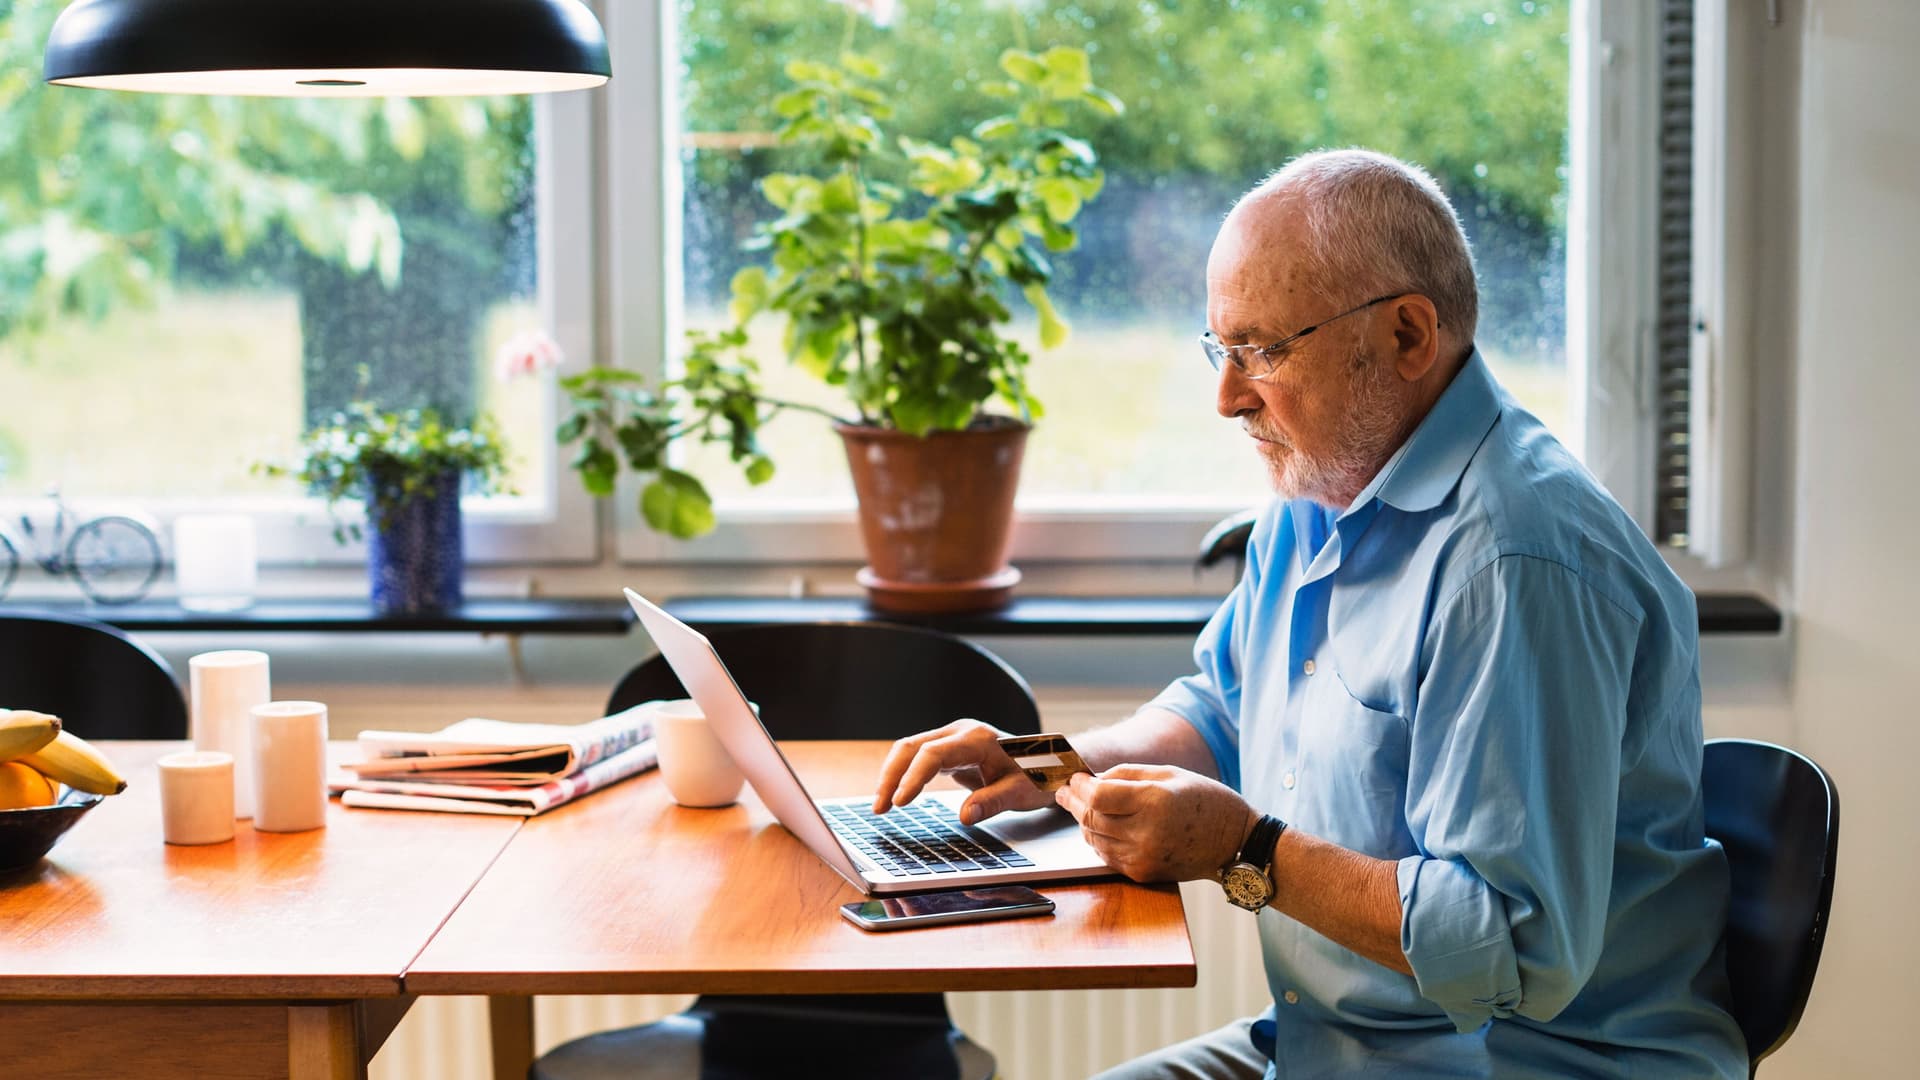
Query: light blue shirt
[[1484, 671]]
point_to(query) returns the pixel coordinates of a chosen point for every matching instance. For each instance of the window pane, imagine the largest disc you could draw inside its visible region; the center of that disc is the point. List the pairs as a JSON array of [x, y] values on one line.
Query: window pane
[[186, 282], [1218, 96]]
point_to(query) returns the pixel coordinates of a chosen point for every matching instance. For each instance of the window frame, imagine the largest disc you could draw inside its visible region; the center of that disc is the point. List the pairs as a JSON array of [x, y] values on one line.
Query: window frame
[[1613, 255], [1611, 306]]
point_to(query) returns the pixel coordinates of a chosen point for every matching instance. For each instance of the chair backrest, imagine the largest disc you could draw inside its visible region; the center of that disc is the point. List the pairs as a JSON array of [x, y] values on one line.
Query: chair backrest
[[1777, 814], [101, 683], [854, 680]]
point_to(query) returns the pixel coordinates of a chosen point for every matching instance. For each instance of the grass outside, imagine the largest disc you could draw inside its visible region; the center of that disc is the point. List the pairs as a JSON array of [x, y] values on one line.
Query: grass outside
[[178, 400]]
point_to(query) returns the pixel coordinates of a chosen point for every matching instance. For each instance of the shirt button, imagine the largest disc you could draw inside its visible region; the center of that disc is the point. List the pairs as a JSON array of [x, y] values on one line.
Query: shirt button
[[1292, 998], [1307, 667], [1287, 780]]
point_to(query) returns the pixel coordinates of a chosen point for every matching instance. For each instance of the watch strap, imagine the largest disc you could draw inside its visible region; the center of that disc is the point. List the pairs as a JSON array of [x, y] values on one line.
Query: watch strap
[[1258, 848]]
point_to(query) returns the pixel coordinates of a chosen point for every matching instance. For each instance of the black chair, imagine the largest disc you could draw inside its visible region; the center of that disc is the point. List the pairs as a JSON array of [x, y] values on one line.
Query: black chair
[[100, 682], [1777, 814], [1227, 540], [830, 680]]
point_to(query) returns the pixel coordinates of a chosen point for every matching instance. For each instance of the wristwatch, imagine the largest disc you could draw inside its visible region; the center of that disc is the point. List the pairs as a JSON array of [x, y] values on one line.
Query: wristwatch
[[1247, 880]]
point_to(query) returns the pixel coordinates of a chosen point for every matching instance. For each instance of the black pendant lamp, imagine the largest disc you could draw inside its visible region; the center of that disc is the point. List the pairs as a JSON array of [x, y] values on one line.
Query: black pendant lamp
[[329, 48]]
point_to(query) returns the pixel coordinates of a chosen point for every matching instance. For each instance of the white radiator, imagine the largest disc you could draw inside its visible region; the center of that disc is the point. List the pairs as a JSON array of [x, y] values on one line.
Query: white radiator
[[1035, 1035]]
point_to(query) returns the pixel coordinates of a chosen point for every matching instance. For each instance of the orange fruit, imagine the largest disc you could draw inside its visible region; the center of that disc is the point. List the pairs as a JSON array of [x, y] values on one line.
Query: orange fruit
[[22, 786]]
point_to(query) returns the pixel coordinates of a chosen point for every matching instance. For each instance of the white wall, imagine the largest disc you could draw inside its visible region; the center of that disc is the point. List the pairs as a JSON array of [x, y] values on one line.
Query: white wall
[[1855, 594]]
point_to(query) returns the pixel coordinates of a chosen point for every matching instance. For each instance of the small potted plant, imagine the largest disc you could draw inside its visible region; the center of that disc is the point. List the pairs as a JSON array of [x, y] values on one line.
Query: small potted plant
[[409, 468], [892, 264]]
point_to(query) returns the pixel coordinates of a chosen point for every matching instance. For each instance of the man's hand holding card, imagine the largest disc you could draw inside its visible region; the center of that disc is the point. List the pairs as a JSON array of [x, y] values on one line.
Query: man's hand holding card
[[1048, 760]]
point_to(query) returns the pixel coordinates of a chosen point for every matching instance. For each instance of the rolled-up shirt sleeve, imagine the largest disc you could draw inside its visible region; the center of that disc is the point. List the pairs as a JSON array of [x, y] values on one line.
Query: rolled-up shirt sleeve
[[1513, 789]]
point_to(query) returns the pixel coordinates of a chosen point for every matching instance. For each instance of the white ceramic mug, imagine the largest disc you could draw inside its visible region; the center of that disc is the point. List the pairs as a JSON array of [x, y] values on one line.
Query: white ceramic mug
[[698, 770]]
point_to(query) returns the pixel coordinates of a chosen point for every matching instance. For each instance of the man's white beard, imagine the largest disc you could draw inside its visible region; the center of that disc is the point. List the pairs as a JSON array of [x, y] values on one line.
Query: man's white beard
[[1368, 427]]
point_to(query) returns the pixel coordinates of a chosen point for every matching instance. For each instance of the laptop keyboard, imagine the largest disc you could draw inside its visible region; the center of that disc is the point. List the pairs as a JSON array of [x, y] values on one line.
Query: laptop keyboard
[[924, 839]]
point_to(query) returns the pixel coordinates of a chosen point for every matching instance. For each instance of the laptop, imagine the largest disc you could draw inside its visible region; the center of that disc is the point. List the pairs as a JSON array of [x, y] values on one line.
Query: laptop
[[911, 848]]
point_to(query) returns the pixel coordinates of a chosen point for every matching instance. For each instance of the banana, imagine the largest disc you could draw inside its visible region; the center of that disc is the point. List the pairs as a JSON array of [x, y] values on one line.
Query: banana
[[72, 761], [22, 731]]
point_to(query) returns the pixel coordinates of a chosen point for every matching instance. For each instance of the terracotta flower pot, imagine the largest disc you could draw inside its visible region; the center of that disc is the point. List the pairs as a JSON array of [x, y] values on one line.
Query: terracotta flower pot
[[936, 513]]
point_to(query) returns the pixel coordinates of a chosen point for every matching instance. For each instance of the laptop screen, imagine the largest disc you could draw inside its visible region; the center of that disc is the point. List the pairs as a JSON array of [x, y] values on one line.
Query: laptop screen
[[710, 685]]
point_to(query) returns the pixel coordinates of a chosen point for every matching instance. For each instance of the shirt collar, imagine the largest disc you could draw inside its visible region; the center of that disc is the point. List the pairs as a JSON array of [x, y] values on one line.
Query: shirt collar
[[1424, 471]]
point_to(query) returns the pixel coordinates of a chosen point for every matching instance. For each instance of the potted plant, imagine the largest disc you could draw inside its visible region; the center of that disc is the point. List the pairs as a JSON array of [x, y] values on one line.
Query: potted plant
[[892, 264], [409, 468]]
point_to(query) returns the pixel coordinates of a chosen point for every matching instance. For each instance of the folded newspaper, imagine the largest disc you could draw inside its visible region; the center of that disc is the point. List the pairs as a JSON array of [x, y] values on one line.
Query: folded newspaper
[[492, 767]]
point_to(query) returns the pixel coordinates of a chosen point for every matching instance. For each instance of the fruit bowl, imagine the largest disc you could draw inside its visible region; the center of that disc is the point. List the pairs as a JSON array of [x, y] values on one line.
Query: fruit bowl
[[29, 832]]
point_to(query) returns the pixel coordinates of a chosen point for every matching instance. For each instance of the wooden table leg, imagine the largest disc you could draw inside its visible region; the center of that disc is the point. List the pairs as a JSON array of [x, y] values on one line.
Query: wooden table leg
[[322, 1043], [510, 1019]]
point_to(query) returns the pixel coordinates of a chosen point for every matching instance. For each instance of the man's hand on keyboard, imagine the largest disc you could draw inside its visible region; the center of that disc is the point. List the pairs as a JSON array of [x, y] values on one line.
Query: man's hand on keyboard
[[970, 751]]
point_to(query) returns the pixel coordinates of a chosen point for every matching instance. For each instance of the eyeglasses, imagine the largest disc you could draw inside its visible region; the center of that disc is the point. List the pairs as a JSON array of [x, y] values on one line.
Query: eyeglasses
[[1261, 361]]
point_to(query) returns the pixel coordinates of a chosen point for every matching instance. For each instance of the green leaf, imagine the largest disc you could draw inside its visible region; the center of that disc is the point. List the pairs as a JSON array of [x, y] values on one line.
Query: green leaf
[[840, 195], [863, 66], [1103, 102], [915, 414], [749, 289], [597, 468], [1056, 236], [677, 504], [1026, 266], [1053, 329], [1079, 150], [1023, 66], [759, 469], [1061, 196], [1068, 74], [795, 103], [808, 71], [783, 189], [1000, 127]]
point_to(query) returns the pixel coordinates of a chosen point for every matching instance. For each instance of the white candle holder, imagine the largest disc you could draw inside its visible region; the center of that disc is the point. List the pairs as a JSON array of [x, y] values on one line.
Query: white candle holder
[[223, 688], [289, 766], [215, 563], [196, 797]]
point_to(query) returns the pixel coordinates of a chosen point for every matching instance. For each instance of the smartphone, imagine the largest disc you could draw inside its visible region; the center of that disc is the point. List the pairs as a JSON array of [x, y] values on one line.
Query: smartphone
[[956, 905]]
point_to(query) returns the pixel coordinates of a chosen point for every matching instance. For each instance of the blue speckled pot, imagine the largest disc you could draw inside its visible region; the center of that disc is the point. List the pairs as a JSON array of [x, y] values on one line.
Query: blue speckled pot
[[414, 558]]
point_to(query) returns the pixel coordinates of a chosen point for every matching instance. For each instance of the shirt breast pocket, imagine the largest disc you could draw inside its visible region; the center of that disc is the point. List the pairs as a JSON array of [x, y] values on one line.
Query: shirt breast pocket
[[1353, 771]]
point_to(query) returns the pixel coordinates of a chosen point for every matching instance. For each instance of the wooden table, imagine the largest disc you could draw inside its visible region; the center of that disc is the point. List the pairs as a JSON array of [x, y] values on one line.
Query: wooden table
[[626, 893], [295, 955], [277, 955]]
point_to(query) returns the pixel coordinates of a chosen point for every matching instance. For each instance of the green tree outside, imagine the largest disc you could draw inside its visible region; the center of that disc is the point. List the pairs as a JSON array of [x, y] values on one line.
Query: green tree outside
[[393, 220]]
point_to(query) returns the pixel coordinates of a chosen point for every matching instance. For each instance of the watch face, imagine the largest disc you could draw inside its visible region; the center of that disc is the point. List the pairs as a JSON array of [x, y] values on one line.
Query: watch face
[[1246, 886]]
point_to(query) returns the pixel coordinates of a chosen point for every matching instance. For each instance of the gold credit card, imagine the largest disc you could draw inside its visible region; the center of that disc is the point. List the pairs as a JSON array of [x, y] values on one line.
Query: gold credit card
[[1048, 760]]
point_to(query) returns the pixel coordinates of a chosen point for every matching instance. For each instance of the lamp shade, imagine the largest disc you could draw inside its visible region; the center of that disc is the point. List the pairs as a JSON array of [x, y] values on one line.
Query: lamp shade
[[328, 48]]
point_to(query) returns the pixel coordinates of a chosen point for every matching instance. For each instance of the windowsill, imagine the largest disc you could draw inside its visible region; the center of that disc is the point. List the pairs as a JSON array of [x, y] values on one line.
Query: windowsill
[[537, 615], [1038, 616], [1720, 613]]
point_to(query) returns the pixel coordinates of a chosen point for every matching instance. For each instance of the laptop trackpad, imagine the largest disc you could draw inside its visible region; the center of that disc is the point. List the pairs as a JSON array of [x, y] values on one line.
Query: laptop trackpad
[[1050, 836]]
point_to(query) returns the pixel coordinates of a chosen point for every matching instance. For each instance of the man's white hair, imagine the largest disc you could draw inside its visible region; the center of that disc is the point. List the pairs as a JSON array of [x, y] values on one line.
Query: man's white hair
[[1378, 225]]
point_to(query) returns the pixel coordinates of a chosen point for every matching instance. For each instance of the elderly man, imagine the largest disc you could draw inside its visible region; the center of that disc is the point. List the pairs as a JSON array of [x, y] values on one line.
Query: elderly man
[[1444, 736]]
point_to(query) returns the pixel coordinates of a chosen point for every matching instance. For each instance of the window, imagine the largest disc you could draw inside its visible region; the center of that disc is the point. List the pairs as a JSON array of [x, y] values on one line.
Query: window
[[1218, 96], [187, 282]]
